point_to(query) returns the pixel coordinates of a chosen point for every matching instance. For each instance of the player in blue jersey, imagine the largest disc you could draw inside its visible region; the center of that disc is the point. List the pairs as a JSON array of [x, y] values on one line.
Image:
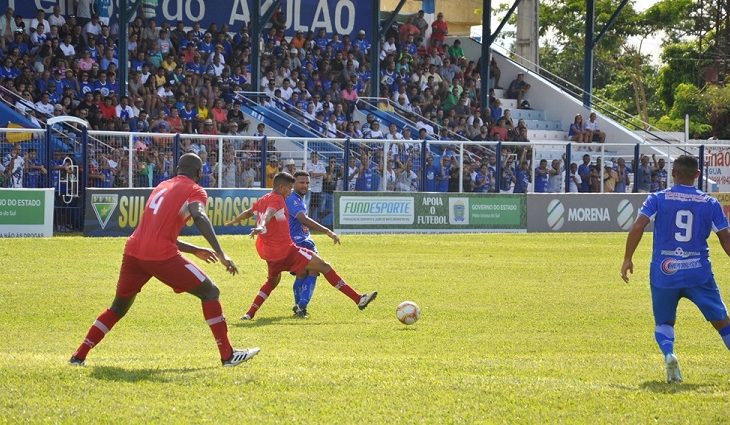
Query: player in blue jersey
[[299, 226], [680, 265]]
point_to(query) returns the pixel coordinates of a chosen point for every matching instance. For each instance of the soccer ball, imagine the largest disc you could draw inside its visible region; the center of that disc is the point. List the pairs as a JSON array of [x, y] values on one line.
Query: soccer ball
[[408, 312]]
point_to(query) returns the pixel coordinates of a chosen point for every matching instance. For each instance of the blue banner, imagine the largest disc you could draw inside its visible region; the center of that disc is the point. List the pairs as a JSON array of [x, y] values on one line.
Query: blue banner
[[341, 16], [117, 212]]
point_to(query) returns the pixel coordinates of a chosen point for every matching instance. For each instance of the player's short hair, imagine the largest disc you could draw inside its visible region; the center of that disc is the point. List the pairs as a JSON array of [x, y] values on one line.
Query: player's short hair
[[686, 166], [301, 173], [189, 164], [283, 178]]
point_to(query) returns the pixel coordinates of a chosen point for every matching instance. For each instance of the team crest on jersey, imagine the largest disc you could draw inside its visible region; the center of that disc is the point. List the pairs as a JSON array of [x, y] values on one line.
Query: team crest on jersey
[[104, 205]]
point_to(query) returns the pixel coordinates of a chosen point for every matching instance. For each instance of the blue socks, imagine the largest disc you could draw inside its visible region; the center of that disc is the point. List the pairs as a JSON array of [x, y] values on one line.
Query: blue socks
[[664, 335], [308, 284], [725, 335], [303, 290], [298, 291]]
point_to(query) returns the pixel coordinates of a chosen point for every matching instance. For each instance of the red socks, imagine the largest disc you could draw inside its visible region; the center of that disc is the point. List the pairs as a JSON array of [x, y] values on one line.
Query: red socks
[[101, 326], [263, 294], [335, 280], [213, 313]]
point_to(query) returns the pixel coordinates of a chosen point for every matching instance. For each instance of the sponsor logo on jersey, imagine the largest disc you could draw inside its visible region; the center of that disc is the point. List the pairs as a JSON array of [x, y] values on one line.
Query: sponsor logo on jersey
[[672, 265], [679, 252]]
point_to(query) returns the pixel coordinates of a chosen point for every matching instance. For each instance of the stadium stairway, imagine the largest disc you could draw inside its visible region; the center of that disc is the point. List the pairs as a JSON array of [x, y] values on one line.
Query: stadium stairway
[[283, 124]]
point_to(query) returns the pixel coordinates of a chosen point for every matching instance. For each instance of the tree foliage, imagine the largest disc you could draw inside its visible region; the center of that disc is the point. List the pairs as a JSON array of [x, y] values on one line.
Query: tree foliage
[[623, 72]]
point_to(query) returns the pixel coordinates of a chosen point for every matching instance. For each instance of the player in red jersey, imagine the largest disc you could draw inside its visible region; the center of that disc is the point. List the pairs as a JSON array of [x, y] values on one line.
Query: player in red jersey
[[153, 250], [274, 244]]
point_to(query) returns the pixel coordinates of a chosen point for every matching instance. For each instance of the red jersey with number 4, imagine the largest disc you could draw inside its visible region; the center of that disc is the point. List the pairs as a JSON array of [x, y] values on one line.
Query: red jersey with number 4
[[164, 216], [273, 244]]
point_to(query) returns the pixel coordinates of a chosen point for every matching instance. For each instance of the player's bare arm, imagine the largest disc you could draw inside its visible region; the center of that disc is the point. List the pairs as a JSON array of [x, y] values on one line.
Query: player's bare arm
[[205, 254], [241, 217], [632, 241], [311, 224], [724, 237], [206, 229], [262, 226]]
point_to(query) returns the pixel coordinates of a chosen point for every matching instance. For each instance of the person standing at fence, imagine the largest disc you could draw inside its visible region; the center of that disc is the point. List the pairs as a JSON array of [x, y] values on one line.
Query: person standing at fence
[[317, 171], [153, 250], [643, 175], [584, 172], [34, 169], [555, 176], [623, 176], [683, 218], [541, 177], [662, 176], [14, 166], [332, 181]]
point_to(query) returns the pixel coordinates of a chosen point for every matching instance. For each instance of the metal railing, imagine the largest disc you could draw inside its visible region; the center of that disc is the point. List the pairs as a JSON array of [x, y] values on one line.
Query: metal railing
[[125, 159]]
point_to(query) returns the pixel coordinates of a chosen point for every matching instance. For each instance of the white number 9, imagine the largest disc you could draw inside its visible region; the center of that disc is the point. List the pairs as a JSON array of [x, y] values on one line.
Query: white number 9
[[684, 224]]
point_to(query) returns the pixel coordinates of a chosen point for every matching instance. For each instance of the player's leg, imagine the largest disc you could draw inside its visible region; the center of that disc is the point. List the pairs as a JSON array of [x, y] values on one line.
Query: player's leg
[[209, 294], [271, 282], [213, 314], [306, 281], [708, 300], [183, 276], [318, 265], [131, 280], [664, 305]]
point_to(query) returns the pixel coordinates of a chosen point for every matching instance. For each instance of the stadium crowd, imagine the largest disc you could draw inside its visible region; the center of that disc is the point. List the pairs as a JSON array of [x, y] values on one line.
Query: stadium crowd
[[189, 80]]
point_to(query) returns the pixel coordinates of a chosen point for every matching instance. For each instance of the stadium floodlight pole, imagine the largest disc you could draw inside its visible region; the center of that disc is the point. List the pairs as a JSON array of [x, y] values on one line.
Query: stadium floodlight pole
[[566, 166], [258, 21], [49, 155], [636, 166], [390, 20], [702, 167], [590, 44], [264, 154], [375, 48], [498, 167], [588, 53], [486, 57], [487, 39], [346, 167], [125, 17]]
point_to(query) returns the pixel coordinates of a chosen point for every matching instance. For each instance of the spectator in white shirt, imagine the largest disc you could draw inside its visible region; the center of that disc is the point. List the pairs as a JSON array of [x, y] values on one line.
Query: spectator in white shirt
[[44, 106], [316, 170], [41, 19], [93, 27], [56, 18], [286, 89], [67, 47], [393, 133], [592, 126]]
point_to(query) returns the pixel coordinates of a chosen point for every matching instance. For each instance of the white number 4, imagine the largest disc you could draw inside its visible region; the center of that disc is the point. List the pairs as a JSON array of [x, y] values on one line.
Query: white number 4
[[684, 224], [156, 202]]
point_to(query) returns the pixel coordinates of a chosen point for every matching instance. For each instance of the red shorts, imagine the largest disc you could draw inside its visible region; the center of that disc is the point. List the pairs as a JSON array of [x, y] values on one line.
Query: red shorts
[[295, 261], [176, 272]]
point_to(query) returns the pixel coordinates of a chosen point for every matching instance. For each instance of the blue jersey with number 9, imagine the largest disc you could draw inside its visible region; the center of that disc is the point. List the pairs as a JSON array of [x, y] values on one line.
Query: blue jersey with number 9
[[683, 218]]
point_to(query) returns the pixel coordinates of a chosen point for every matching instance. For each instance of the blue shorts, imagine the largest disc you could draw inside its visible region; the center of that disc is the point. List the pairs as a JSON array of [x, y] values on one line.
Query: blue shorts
[[706, 297], [307, 243]]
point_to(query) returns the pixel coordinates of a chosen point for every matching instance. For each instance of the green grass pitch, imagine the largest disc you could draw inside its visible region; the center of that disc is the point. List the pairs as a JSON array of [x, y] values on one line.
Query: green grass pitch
[[515, 328]]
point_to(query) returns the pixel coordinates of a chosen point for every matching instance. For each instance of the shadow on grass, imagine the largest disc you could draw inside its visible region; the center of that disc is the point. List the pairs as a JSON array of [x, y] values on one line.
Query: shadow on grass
[[406, 329], [290, 320], [665, 388], [119, 374]]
